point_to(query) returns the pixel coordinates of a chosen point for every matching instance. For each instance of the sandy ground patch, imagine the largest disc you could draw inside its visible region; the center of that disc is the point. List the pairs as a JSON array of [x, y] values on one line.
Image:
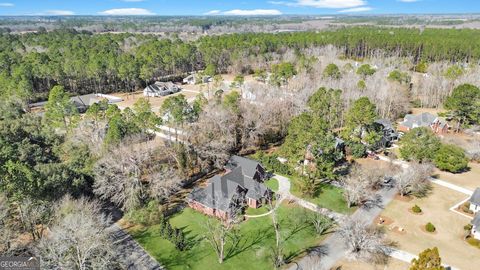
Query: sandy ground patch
[[130, 98], [449, 225], [393, 264], [469, 180]]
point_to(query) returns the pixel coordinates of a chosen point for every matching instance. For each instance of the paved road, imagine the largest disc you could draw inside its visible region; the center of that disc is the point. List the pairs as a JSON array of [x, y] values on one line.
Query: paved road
[[131, 255]]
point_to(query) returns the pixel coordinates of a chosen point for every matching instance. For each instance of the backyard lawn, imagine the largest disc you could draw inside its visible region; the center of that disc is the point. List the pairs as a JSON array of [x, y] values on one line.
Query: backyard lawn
[[272, 184], [329, 196], [253, 251], [256, 211]]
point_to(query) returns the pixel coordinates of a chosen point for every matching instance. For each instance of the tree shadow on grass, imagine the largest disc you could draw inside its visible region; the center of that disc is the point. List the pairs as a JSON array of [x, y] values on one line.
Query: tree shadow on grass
[[315, 251], [244, 243]]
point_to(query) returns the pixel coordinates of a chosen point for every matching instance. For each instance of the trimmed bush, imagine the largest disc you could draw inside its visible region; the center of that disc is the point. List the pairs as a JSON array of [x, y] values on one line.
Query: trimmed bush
[[466, 208], [468, 227], [416, 209], [474, 242], [430, 227], [451, 158]]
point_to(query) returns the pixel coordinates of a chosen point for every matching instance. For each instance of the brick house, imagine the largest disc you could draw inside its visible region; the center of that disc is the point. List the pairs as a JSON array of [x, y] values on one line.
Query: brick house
[[411, 121], [242, 185]]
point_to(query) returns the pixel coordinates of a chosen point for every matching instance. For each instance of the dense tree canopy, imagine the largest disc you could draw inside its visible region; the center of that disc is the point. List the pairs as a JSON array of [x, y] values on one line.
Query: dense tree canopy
[[464, 104], [419, 144]]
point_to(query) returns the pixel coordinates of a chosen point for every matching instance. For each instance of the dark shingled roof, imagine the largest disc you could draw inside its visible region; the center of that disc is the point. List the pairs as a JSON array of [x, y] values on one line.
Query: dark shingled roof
[[475, 199], [221, 189], [476, 221], [250, 167], [421, 120], [385, 123]]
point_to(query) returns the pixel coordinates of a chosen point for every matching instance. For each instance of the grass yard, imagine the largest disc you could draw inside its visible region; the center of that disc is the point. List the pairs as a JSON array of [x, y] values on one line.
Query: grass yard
[[256, 211], [469, 179], [272, 184], [253, 251], [453, 248], [329, 196]]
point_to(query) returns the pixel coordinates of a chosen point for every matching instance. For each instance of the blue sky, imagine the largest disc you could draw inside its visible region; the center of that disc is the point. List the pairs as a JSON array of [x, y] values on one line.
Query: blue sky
[[233, 7]]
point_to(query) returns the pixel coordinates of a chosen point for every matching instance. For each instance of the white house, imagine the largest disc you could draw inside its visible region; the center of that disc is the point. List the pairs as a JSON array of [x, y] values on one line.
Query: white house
[[476, 227], [475, 201]]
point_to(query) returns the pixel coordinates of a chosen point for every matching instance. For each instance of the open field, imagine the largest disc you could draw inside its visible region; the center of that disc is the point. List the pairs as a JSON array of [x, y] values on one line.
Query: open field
[[252, 252], [449, 236], [469, 179], [130, 98]]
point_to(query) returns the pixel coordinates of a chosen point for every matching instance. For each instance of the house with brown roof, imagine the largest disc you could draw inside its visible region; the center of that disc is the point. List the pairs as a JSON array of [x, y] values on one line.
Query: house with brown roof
[[242, 185]]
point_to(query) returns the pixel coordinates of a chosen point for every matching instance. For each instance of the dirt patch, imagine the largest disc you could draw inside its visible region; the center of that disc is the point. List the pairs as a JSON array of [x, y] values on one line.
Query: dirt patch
[[450, 232], [392, 264], [398, 230], [383, 220], [469, 179], [403, 198]]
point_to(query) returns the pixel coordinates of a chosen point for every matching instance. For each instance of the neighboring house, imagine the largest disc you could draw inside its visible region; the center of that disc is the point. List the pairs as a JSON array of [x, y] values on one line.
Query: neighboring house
[[476, 226], [475, 201], [389, 133], [194, 79], [411, 121], [161, 89], [83, 102], [243, 183]]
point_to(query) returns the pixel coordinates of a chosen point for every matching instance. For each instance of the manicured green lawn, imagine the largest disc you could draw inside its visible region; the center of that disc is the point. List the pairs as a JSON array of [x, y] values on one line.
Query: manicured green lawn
[[253, 251], [272, 184], [256, 211], [330, 197]]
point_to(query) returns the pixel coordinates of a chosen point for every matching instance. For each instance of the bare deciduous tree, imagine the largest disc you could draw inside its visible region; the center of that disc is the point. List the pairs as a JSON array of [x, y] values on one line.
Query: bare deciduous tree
[[320, 222], [363, 241], [34, 217], [414, 180], [358, 186], [78, 239], [214, 135], [126, 174]]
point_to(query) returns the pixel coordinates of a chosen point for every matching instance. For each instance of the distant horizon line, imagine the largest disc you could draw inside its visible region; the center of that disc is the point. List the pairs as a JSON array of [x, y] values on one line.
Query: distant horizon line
[[249, 16]]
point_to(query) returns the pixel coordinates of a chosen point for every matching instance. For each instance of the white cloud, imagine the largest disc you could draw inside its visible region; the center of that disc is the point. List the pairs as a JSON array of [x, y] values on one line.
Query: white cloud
[[357, 9], [213, 12], [323, 3], [57, 12], [126, 11], [6, 5], [251, 12]]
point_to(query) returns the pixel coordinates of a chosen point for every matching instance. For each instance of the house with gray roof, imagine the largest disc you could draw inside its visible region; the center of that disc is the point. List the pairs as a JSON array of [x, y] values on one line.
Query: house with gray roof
[[225, 195], [476, 226], [161, 89], [411, 121], [475, 201]]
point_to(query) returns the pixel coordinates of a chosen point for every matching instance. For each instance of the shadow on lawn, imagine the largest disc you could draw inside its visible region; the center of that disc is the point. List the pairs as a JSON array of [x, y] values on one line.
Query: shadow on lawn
[[244, 243]]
